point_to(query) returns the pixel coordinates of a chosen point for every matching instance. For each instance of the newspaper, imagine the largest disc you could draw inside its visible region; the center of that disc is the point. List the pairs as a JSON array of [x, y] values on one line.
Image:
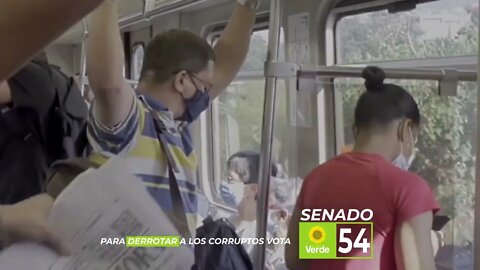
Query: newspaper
[[105, 203]]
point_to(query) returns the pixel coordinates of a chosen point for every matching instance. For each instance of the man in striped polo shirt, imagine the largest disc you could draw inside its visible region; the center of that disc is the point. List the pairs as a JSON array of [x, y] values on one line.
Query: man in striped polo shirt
[[181, 73]]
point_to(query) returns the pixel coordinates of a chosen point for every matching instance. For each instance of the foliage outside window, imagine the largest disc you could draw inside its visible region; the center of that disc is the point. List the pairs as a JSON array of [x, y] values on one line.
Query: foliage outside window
[[437, 29]]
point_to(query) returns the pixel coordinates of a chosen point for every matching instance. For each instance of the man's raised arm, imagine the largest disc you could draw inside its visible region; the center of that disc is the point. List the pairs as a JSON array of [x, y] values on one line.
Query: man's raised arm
[[232, 48], [27, 26], [5, 95], [105, 62]]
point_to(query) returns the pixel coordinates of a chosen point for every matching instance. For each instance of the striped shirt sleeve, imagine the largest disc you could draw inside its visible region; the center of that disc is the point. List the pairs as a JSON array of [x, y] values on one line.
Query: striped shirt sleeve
[[114, 140]]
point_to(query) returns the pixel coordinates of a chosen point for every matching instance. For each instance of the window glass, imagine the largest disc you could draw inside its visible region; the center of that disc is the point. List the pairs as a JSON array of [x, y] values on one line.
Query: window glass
[[240, 106], [257, 53], [240, 115], [445, 155], [240, 120], [434, 29]]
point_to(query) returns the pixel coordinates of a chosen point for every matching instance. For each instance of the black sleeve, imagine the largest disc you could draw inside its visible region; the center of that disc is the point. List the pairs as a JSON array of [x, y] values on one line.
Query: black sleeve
[[32, 87]]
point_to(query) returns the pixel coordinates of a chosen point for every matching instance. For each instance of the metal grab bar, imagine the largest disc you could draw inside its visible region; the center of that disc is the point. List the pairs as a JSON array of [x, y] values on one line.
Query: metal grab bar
[[85, 81], [390, 73], [83, 60], [276, 7]]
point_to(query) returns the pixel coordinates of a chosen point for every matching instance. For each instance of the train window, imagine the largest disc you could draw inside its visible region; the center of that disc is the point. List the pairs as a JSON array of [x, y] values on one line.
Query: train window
[[237, 126], [240, 109], [433, 29], [446, 148]]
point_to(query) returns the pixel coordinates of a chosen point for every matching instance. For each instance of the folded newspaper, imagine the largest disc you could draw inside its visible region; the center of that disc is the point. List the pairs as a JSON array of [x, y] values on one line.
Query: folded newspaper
[[105, 203]]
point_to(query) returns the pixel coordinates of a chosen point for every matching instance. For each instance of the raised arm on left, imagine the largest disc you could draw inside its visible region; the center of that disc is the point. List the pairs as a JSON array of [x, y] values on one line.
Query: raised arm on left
[[27, 26], [5, 94], [26, 221]]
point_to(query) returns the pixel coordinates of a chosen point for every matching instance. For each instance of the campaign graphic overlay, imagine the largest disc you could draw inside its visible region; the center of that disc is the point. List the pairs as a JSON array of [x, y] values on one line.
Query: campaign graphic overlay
[[336, 234]]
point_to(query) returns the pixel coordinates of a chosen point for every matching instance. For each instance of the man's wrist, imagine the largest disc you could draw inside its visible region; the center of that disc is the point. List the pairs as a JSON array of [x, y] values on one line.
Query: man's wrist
[[3, 229]]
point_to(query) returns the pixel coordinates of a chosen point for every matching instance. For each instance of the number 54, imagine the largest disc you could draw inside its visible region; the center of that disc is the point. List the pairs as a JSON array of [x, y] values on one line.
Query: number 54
[[343, 239]]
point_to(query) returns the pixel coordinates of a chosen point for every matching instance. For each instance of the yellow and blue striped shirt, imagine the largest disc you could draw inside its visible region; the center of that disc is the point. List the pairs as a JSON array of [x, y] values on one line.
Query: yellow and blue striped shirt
[[136, 139]]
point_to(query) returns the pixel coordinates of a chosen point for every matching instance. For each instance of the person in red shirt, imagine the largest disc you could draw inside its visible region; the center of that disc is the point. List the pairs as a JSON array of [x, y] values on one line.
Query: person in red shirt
[[374, 175]]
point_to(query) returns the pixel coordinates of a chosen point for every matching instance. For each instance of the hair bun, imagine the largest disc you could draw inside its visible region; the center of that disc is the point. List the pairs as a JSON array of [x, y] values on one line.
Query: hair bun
[[374, 77]]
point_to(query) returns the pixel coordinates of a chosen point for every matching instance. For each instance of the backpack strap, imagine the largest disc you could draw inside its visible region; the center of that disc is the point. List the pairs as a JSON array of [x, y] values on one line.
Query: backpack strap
[[81, 143], [63, 172], [26, 84], [178, 216], [74, 139]]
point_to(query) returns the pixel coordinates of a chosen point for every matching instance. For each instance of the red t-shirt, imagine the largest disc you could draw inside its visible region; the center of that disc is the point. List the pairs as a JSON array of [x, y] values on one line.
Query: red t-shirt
[[367, 181]]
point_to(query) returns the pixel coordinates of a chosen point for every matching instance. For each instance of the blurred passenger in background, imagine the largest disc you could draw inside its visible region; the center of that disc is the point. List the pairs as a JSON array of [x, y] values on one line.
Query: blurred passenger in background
[[243, 173]]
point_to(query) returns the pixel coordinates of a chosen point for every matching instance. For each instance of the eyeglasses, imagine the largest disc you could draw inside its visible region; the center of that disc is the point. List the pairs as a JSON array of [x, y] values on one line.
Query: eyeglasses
[[206, 85]]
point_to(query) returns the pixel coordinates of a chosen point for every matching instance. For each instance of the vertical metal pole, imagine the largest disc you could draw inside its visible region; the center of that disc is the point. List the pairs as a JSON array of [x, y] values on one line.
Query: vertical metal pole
[[276, 7], [83, 56], [476, 243]]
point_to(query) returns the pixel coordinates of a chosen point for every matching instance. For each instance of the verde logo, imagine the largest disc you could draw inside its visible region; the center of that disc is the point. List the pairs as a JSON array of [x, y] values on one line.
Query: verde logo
[[335, 240]]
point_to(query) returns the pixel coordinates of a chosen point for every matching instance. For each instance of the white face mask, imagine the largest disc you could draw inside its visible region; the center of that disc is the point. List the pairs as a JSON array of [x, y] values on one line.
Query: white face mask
[[401, 161], [237, 190]]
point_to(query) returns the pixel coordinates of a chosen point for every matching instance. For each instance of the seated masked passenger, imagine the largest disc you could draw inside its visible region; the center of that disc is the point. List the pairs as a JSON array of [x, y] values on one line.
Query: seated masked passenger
[[242, 171], [242, 168], [374, 175]]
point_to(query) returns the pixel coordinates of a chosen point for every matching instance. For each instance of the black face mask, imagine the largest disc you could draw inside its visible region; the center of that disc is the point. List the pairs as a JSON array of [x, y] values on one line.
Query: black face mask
[[195, 106]]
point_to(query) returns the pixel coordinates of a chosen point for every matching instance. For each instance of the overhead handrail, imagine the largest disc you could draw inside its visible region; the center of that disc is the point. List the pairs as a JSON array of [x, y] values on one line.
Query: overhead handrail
[[390, 73], [447, 79]]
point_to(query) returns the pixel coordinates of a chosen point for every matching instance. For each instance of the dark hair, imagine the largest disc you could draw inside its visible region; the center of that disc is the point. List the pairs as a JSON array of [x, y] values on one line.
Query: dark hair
[[383, 103], [173, 51], [246, 164], [41, 56]]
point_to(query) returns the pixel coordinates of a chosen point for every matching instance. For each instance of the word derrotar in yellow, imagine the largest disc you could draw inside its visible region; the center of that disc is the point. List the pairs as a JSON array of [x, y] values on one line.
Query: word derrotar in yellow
[[153, 241]]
